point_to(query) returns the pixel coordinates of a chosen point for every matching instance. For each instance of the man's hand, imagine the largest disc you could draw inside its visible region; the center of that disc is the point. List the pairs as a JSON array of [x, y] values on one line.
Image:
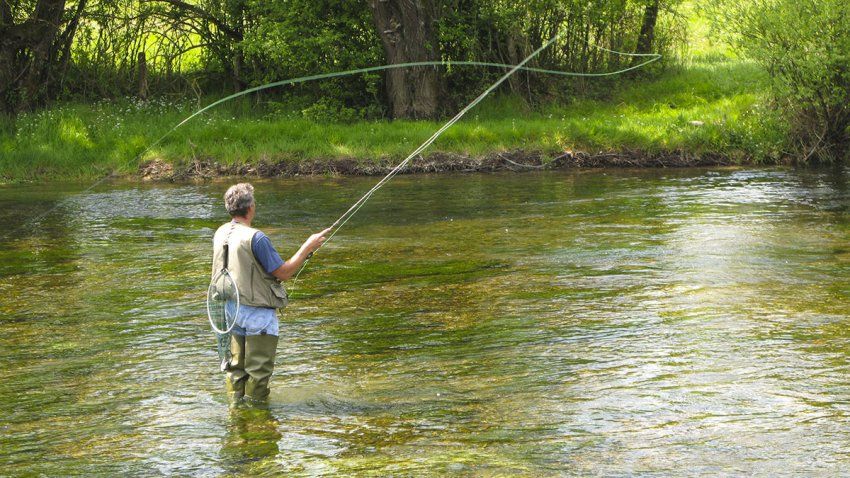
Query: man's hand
[[290, 267], [315, 241]]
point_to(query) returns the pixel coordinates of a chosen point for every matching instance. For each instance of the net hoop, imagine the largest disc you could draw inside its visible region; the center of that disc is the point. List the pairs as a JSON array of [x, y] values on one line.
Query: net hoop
[[225, 273]]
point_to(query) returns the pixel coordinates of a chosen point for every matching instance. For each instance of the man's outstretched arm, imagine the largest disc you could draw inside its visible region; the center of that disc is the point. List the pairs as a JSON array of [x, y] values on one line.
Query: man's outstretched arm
[[290, 267]]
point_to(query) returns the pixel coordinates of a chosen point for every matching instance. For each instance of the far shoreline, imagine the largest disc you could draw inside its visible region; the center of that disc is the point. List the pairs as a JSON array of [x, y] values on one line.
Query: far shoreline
[[158, 170]]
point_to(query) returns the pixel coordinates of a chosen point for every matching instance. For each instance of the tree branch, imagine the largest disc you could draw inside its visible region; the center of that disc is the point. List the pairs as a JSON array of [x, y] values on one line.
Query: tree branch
[[234, 34]]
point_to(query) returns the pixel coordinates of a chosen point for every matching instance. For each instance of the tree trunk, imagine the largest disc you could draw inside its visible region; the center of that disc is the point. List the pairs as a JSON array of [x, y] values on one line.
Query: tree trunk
[[48, 15], [63, 48], [236, 74], [513, 59], [7, 65], [407, 34], [142, 76], [647, 29], [237, 18], [27, 53]]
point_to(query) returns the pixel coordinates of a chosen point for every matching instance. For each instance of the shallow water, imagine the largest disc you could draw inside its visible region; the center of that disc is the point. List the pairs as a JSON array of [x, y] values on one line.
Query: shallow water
[[564, 323]]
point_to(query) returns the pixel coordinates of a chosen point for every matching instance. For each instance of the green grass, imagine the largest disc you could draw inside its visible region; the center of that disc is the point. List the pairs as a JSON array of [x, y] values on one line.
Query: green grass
[[81, 141]]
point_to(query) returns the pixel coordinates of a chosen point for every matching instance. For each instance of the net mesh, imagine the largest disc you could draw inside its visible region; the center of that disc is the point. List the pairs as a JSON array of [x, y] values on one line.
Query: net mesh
[[222, 307]]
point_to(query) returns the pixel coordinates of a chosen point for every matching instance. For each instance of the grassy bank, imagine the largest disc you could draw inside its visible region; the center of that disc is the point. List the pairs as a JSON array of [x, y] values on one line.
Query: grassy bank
[[709, 104]]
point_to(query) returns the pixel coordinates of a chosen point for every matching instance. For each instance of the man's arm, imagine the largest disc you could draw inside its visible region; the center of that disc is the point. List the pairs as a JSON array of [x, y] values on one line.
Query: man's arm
[[290, 267]]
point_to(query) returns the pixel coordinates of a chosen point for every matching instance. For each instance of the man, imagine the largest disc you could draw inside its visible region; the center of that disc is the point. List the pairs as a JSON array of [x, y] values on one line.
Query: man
[[257, 270]]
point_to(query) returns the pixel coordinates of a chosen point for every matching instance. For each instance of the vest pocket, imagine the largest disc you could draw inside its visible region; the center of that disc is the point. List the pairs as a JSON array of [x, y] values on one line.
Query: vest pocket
[[280, 292]]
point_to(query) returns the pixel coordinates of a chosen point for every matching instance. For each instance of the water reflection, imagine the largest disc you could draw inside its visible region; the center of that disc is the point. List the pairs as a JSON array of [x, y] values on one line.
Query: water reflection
[[252, 436]]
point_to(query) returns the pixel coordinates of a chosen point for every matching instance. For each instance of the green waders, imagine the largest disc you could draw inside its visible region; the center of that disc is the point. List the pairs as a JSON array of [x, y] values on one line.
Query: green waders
[[251, 366]]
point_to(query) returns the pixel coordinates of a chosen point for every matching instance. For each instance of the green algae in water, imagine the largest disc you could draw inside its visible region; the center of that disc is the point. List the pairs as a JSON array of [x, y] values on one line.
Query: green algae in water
[[588, 323]]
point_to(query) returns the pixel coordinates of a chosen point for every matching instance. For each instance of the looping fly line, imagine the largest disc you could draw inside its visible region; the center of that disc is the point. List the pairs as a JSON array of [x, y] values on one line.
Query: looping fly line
[[360, 202]]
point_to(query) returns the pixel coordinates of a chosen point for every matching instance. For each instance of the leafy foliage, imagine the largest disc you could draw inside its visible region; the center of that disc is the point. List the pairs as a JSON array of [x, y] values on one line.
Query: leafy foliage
[[805, 47], [196, 48]]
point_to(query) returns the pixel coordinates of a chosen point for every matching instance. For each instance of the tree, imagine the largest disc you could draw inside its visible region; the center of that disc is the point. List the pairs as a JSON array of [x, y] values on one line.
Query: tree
[[406, 28], [35, 51], [92, 49], [220, 25], [805, 47], [647, 28]]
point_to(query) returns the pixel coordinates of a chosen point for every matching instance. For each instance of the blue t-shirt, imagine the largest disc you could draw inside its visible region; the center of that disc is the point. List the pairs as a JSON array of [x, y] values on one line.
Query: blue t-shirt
[[265, 252]]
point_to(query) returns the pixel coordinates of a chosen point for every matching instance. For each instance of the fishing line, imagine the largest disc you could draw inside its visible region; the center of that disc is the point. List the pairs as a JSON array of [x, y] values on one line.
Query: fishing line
[[337, 225], [650, 57]]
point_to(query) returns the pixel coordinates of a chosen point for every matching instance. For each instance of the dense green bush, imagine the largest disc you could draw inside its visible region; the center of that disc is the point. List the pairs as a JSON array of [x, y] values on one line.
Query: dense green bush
[[805, 46]]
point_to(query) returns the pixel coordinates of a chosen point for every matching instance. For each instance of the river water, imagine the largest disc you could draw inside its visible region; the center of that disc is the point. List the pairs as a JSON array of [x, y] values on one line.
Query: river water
[[660, 322]]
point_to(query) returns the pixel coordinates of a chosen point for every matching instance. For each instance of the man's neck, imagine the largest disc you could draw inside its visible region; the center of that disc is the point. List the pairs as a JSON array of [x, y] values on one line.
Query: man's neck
[[242, 220]]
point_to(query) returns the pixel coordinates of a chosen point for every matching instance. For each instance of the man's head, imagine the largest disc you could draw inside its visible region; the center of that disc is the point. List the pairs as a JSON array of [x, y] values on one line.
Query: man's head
[[239, 200]]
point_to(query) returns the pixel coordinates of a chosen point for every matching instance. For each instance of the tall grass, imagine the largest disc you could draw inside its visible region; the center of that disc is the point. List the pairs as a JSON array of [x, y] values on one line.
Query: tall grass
[[710, 103]]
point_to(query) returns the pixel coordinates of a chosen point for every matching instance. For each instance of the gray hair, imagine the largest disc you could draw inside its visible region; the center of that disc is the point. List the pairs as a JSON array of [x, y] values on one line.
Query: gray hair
[[238, 199]]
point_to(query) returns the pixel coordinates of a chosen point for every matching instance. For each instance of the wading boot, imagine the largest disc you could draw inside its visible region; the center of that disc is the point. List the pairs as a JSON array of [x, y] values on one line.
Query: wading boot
[[236, 375], [259, 362]]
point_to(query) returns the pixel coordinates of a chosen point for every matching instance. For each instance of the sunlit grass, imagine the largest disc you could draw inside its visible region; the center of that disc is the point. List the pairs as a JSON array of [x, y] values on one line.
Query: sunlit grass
[[710, 103]]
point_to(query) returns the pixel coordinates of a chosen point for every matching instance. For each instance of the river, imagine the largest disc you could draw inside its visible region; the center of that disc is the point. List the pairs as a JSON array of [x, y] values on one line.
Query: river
[[653, 322]]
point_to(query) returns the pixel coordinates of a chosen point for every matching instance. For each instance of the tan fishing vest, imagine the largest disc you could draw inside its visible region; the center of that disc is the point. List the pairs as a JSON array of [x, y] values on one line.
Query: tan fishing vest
[[256, 287]]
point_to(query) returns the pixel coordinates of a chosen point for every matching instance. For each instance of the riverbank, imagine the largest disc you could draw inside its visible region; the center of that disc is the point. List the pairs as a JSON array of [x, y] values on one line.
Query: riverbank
[[708, 110], [518, 160]]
